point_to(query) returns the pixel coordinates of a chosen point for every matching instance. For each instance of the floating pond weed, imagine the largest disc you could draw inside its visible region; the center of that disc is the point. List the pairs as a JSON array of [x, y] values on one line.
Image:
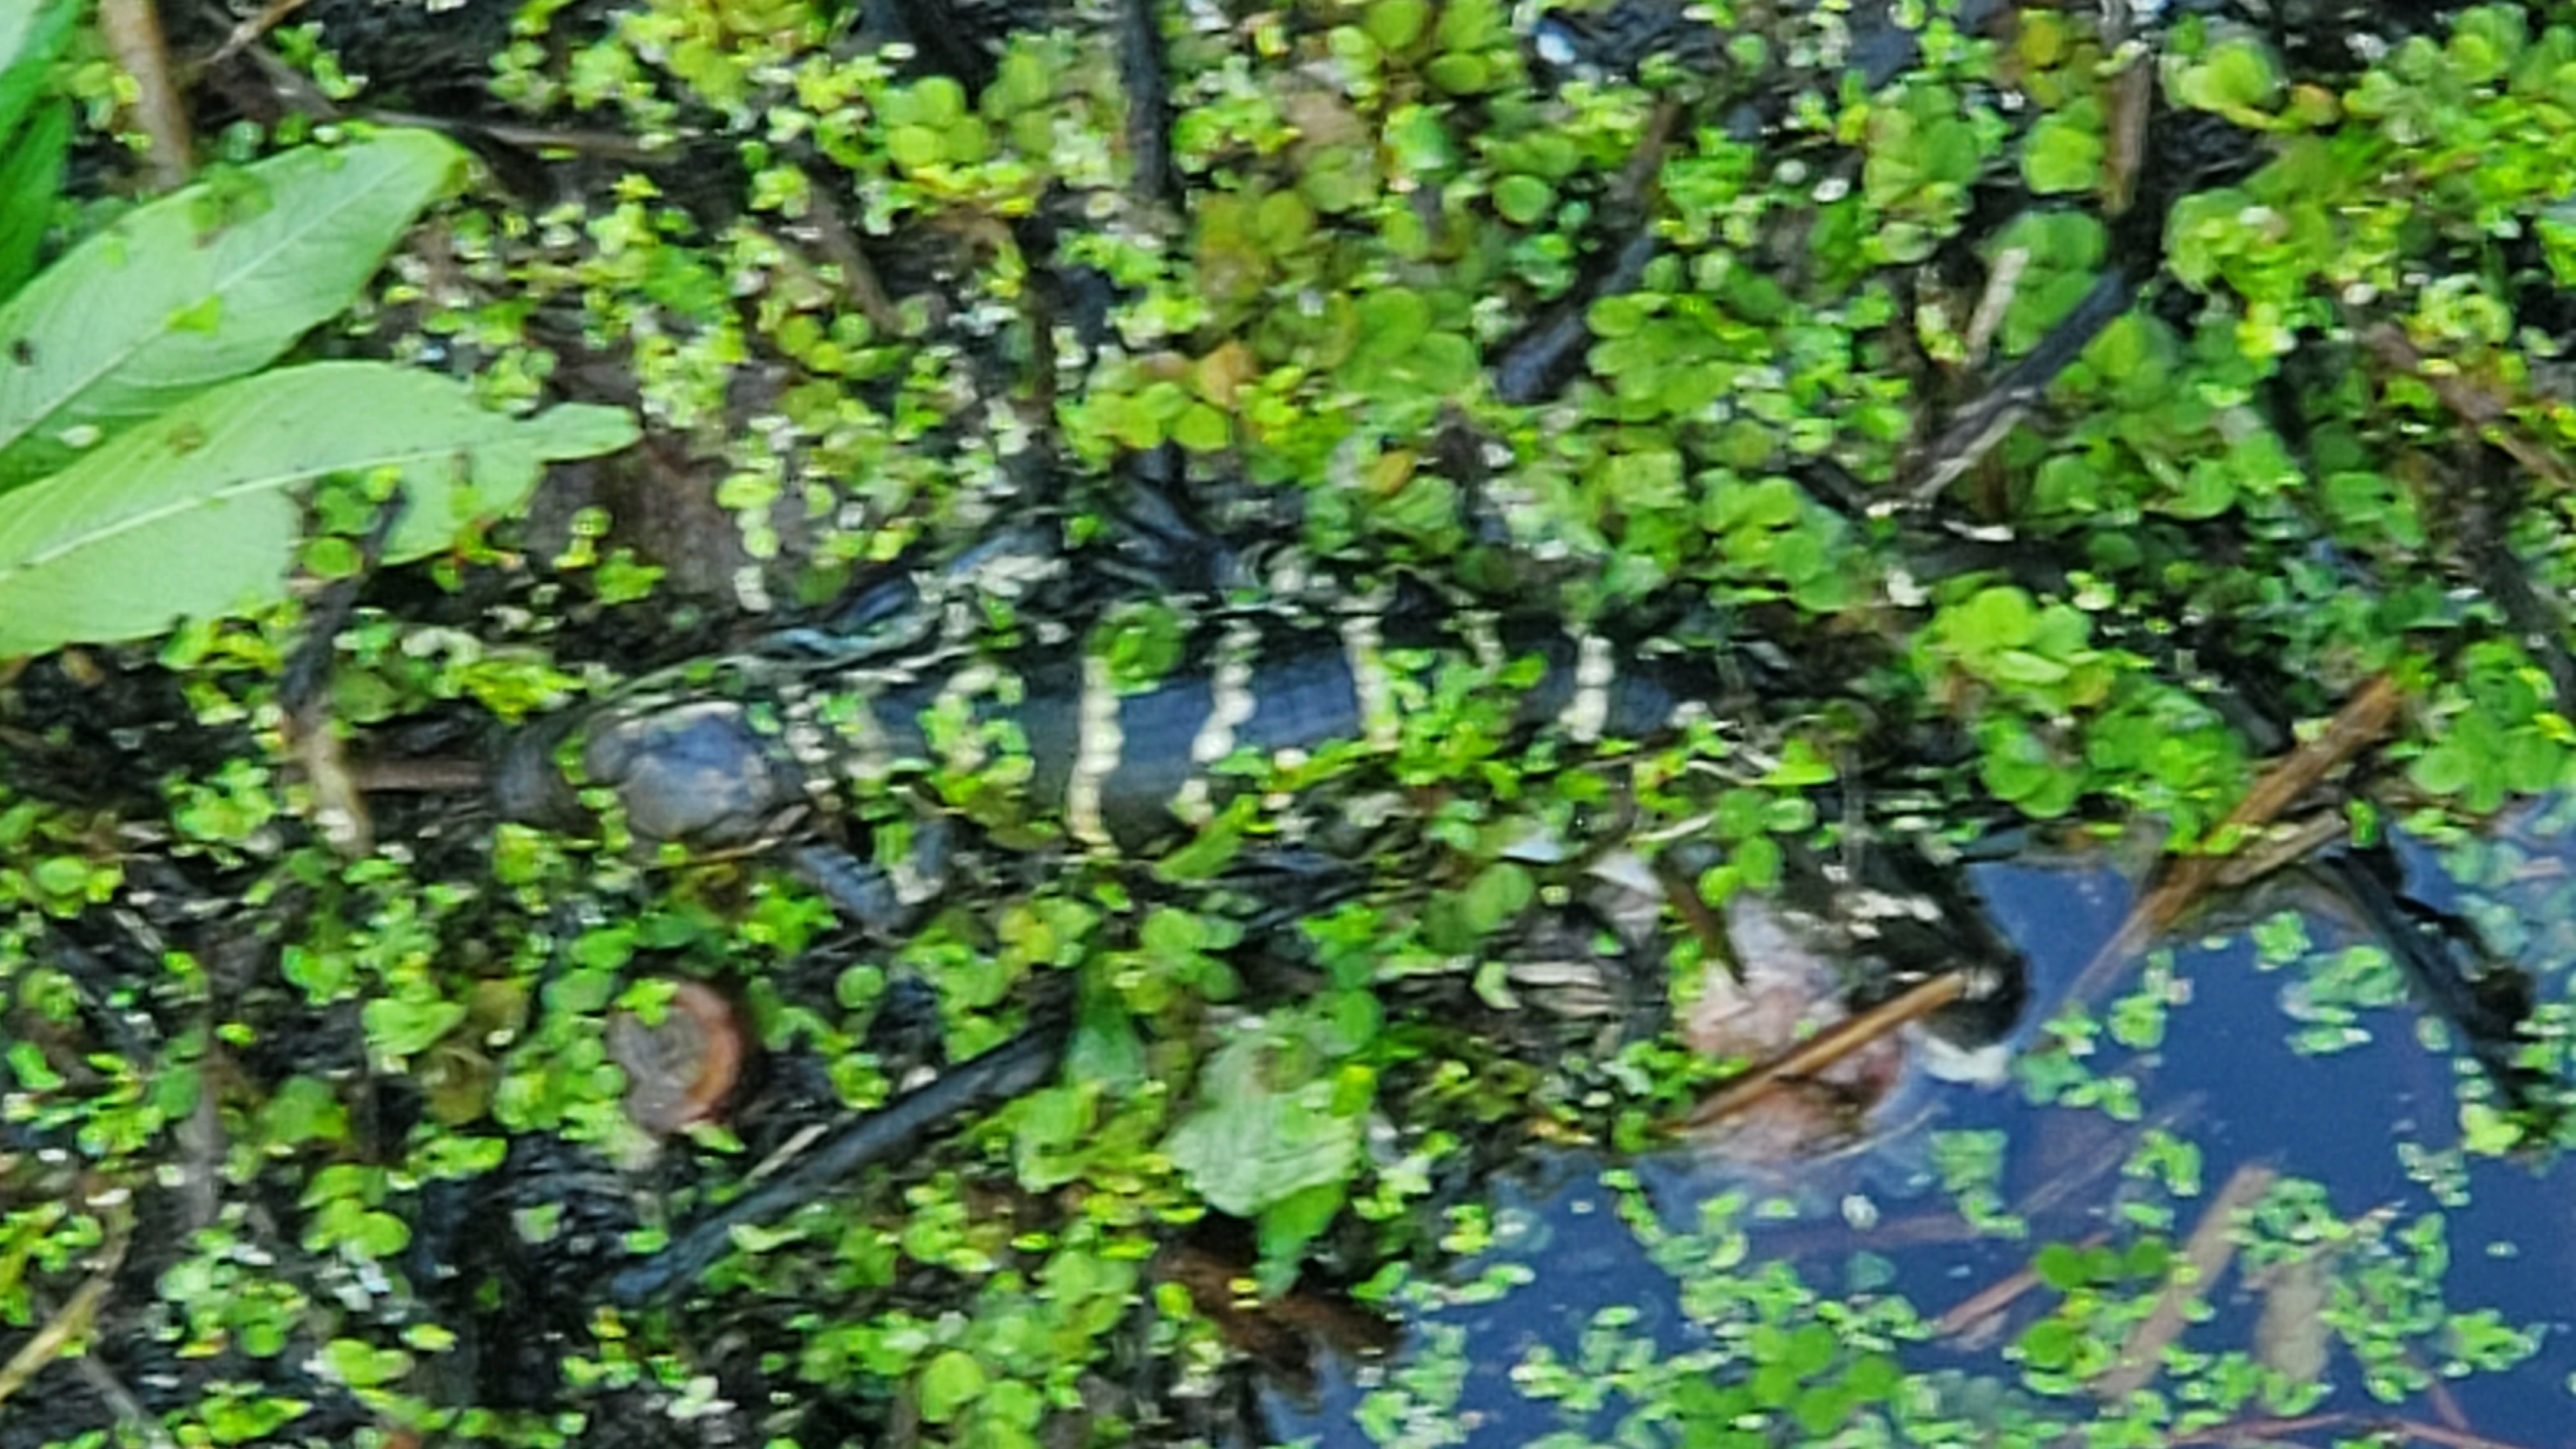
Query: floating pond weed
[[873, 301]]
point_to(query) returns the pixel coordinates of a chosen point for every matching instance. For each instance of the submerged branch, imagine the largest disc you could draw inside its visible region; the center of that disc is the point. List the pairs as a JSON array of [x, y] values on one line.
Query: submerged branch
[[2185, 880], [1819, 1052], [2205, 1255]]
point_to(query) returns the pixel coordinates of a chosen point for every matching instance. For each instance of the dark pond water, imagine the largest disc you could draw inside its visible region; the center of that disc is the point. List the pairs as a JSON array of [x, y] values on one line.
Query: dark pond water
[[2229, 1075]]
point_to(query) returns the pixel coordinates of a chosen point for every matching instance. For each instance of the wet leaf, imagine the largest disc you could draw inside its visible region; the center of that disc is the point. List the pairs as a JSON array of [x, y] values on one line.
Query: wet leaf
[[2064, 152], [2236, 78], [949, 1384], [1498, 894], [196, 513], [1523, 200], [214, 281], [1396, 24], [408, 1028], [302, 1109], [1249, 1146]]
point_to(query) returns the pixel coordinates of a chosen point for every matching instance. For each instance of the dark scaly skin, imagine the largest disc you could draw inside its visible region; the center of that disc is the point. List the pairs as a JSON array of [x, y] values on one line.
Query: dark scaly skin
[[724, 755]]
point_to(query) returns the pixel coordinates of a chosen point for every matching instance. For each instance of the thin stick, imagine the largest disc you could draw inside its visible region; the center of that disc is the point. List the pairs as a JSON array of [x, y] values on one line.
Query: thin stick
[[69, 1324], [2132, 97], [1995, 1297], [303, 690], [2242, 1430], [2489, 416], [132, 30], [445, 775], [129, 1410], [1682, 894], [2186, 879], [1819, 1052], [860, 285], [608, 144], [2247, 1431], [248, 32], [1021, 1064], [1976, 428], [2002, 285]]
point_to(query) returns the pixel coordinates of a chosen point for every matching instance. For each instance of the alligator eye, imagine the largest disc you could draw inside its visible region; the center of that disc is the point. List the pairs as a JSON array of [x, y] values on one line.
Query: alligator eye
[[680, 1071]]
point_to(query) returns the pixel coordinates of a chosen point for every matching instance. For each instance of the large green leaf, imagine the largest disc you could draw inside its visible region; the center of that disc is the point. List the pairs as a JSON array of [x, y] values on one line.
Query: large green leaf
[[214, 281], [197, 512]]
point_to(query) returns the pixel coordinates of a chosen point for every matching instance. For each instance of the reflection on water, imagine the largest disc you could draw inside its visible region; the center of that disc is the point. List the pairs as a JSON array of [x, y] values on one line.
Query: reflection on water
[[2209, 1064]]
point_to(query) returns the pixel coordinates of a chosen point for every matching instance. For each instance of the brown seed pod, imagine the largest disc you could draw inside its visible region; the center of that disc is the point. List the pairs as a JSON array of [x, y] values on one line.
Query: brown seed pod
[[680, 1071]]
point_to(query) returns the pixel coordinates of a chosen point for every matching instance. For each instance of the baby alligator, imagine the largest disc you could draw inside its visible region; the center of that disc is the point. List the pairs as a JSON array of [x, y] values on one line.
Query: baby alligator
[[724, 753]]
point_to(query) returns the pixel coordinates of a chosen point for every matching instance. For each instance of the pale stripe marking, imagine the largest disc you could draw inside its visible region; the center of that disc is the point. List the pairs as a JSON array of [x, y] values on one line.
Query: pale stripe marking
[[1231, 704], [1596, 668], [1098, 743], [1484, 639], [1364, 655], [957, 698]]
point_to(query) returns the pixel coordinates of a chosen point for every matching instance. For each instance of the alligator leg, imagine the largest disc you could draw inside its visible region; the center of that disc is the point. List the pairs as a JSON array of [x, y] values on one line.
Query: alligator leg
[[886, 901]]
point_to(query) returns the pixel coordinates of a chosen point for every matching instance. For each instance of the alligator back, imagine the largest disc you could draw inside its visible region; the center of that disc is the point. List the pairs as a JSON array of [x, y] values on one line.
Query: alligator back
[[719, 752]]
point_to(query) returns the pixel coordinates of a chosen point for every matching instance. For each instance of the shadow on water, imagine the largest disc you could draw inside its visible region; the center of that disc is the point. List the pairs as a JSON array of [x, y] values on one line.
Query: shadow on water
[[2376, 1123]]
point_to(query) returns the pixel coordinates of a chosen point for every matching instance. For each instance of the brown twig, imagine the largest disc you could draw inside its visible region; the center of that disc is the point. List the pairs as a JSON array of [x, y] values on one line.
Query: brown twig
[[2132, 100], [2446, 1405], [2003, 284], [1817, 1053], [1995, 1297], [2242, 1431], [444, 776], [72, 1321], [1634, 187], [2186, 879], [608, 144], [129, 1410], [2277, 849], [2205, 1254], [858, 275], [248, 31], [132, 32], [1682, 894], [1975, 429], [2489, 416], [304, 694], [2258, 1431]]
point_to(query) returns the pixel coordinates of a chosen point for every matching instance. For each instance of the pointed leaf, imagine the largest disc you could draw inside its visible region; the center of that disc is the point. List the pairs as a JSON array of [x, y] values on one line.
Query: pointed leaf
[[197, 512], [214, 281]]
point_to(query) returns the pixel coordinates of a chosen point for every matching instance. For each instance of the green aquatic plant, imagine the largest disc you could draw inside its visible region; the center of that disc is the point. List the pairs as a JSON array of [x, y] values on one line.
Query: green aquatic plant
[[142, 431], [1379, 198]]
